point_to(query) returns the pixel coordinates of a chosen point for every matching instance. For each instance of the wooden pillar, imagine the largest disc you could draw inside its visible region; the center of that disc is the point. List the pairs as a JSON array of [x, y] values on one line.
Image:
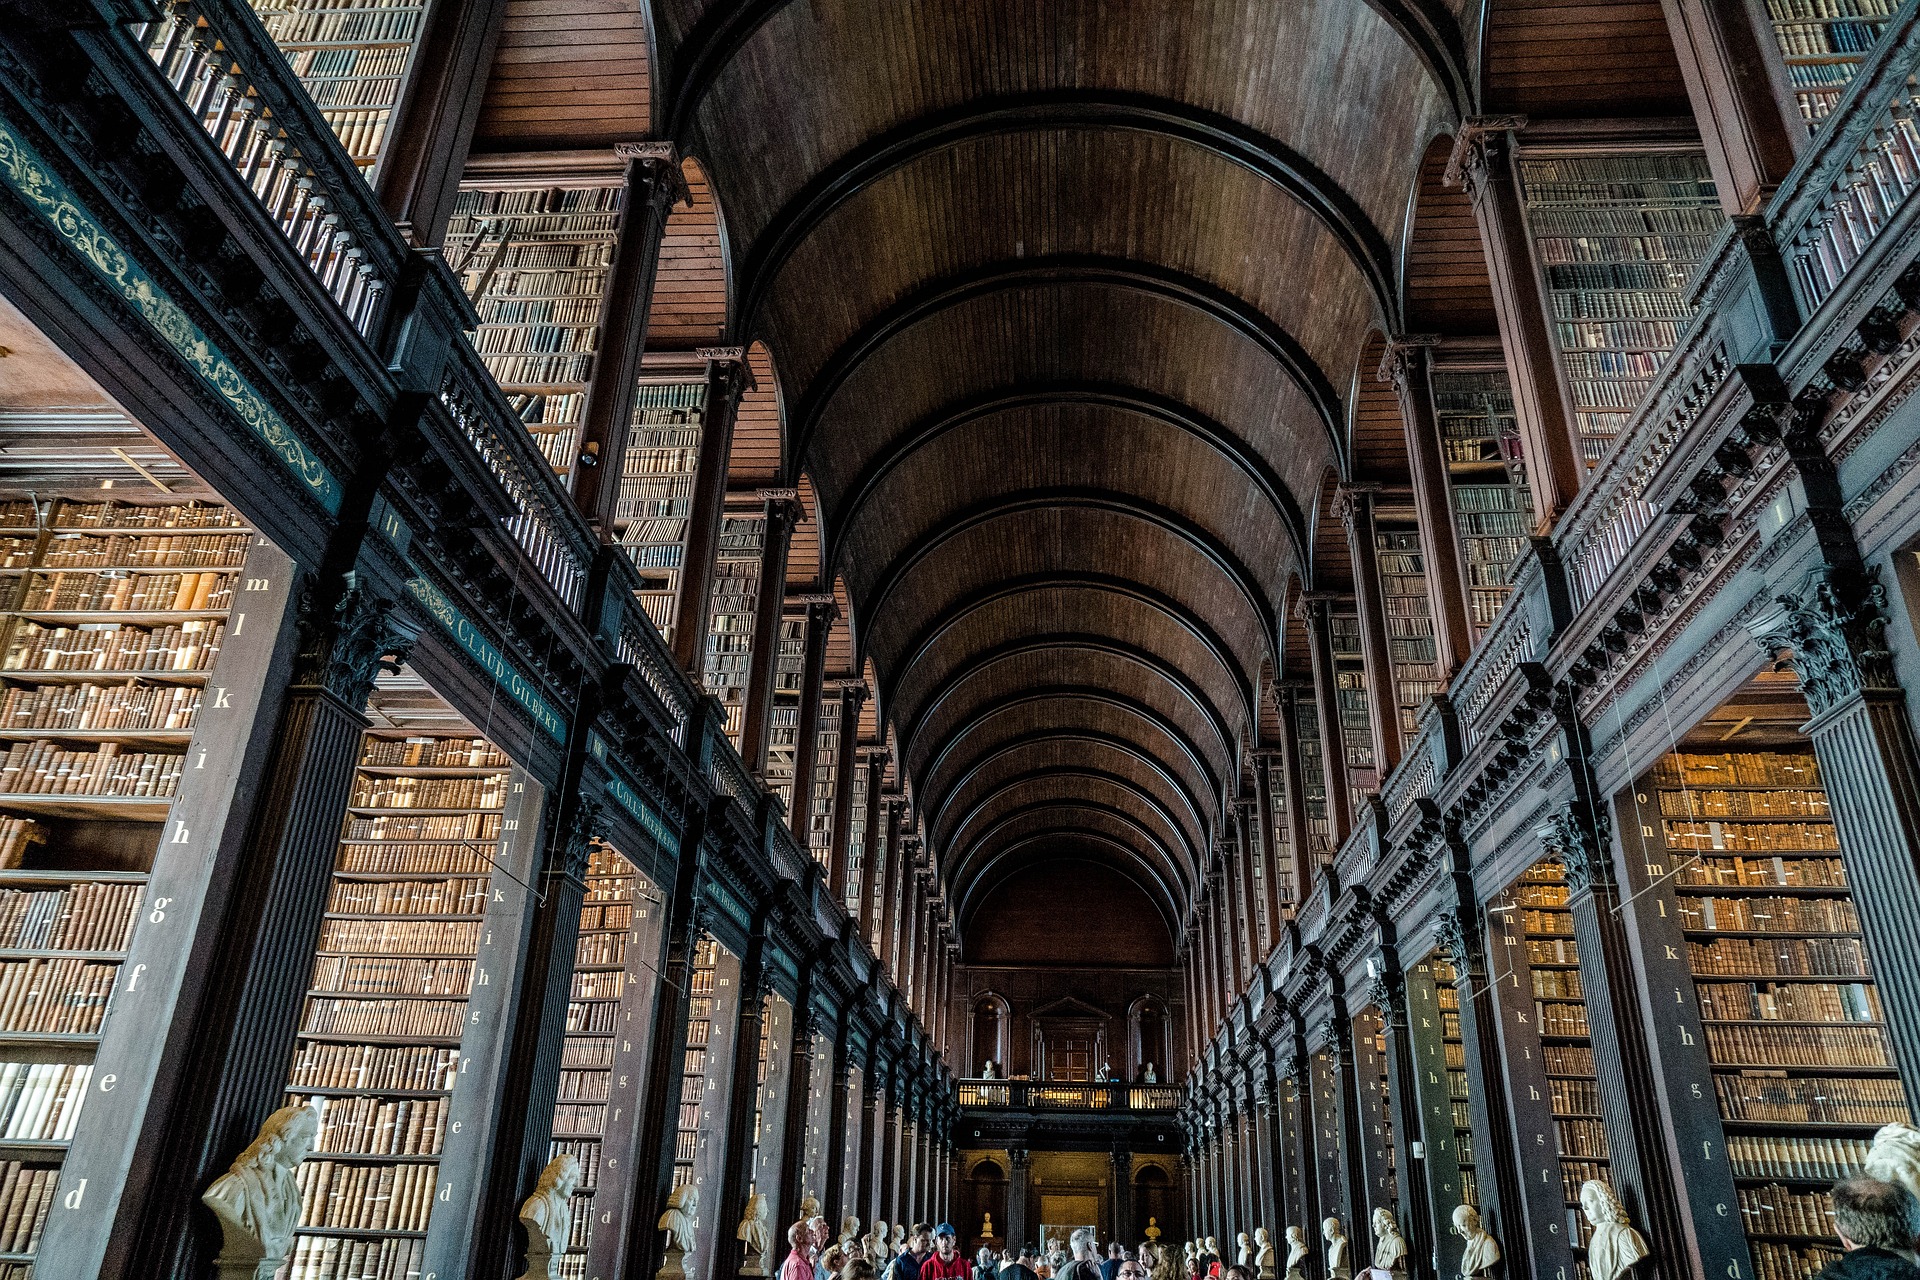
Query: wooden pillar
[[1353, 503], [1263, 763], [881, 1088], [1306, 859], [1019, 1190], [726, 380], [1318, 610], [1416, 1211], [821, 612], [1749, 123], [783, 511], [800, 1087], [736, 1165], [889, 883], [843, 1129], [654, 184], [1233, 941], [1293, 1067], [1483, 160], [1409, 366], [431, 129], [852, 694], [1256, 889], [870, 853]]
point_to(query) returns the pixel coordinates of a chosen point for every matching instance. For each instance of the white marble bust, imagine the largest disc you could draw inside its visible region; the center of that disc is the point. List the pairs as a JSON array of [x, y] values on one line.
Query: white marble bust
[[547, 1215], [1615, 1245], [1482, 1252], [257, 1200]]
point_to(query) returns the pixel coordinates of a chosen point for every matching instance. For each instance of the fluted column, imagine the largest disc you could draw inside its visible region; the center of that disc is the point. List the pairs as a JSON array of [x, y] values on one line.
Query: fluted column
[[1318, 613], [736, 1166], [431, 129], [1483, 161], [1409, 366], [821, 612], [1749, 123], [870, 853], [800, 1087], [851, 696], [1354, 504], [842, 1121], [783, 512], [1300, 848]]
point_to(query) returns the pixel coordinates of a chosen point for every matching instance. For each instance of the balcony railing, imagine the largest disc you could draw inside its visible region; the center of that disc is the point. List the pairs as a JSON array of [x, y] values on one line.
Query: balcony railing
[[1050, 1095]]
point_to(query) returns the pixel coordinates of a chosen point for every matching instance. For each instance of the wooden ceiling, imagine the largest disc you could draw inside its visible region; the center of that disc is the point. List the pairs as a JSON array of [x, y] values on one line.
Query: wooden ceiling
[[1070, 314]]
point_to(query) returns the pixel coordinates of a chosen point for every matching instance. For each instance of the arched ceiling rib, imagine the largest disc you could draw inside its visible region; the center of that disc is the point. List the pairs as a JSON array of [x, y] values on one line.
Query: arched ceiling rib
[[1066, 301]]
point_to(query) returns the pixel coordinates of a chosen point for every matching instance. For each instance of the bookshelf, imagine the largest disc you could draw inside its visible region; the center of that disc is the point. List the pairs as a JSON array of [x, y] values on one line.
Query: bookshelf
[[656, 490], [1486, 474], [534, 260], [1313, 779], [1280, 865], [115, 614], [380, 1050], [1823, 43], [1438, 1085], [352, 58], [826, 758], [1454, 1053], [783, 732], [1355, 703], [1803, 1072], [736, 582], [1411, 646], [856, 838], [1377, 1157], [1544, 985], [1617, 237], [695, 1073]]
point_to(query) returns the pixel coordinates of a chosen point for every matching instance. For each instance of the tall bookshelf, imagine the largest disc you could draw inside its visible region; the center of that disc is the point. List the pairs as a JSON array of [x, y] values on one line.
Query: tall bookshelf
[[783, 721], [1552, 964], [695, 1068], [1313, 780], [1377, 1154], [1411, 646], [535, 261], [856, 837], [1617, 237], [1487, 479], [656, 490], [352, 57], [604, 958], [379, 1051], [736, 585], [115, 613], [1803, 1072], [1438, 1085], [826, 773], [1823, 43], [1454, 1053], [1355, 701], [1280, 864]]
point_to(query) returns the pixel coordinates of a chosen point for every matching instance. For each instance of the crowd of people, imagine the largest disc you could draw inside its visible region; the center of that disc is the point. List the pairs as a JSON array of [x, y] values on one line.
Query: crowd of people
[[933, 1253]]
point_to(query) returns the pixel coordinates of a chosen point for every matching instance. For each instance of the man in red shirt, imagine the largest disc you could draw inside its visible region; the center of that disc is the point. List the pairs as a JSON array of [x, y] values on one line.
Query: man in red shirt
[[798, 1266], [946, 1262]]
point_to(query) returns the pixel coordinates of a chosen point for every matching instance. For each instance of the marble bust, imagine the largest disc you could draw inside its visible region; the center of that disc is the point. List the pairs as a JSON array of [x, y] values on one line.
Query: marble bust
[[1615, 1245], [681, 1217], [1339, 1261], [849, 1230], [1245, 1247], [1296, 1254], [877, 1244], [1482, 1252], [1263, 1253], [257, 1200], [547, 1215], [1389, 1246], [755, 1233]]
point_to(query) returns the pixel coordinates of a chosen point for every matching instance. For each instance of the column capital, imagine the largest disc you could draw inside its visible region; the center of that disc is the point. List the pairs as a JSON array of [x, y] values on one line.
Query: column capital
[[1352, 498], [1479, 149], [1834, 627], [1582, 849], [348, 637], [1402, 356]]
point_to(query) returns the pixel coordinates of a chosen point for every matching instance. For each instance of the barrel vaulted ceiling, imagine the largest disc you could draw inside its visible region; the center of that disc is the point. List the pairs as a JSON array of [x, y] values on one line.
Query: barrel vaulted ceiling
[[1066, 302]]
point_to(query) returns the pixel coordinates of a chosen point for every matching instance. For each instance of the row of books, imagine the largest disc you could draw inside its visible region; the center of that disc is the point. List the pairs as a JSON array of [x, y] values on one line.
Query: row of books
[[1818, 39], [1810, 1159], [78, 591], [1617, 335], [402, 858], [365, 1197], [466, 895], [183, 646], [544, 312], [483, 827], [415, 937], [1780, 957], [393, 975], [375, 1068], [23, 513], [1561, 1019], [54, 995], [1775, 1261], [380, 1127], [434, 753], [1782, 915], [1557, 984], [1575, 1097], [42, 768], [1798, 1046], [79, 917], [320, 1257], [1773, 769], [1775, 1210], [1790, 1001], [1777, 1097], [26, 1195], [1581, 1137], [1805, 873], [1708, 802], [100, 706], [1708, 834], [1652, 221], [1604, 304], [383, 791], [415, 1019], [143, 551], [40, 1102]]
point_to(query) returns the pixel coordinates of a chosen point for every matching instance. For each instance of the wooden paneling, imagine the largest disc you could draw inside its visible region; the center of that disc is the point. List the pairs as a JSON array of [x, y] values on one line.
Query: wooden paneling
[[1379, 447], [1574, 59], [803, 550], [1447, 289], [690, 285], [1113, 922], [568, 73], [757, 426]]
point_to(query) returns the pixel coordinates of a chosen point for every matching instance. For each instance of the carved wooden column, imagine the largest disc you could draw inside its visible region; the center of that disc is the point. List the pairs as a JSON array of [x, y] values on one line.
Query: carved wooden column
[[1233, 941], [1408, 364], [1019, 1191], [726, 381], [821, 612], [852, 694], [842, 1121], [736, 1165], [1416, 1210], [870, 852], [880, 1086], [431, 129], [783, 512], [1353, 503], [1317, 611], [891, 875], [1293, 1071], [1483, 160], [232, 1068], [1748, 120], [800, 1087], [1276, 898], [890, 1149], [1305, 857], [1256, 889], [654, 185]]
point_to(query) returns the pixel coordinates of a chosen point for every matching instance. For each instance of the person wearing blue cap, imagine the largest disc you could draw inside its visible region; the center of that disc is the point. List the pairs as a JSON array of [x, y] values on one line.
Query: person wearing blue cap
[[946, 1262]]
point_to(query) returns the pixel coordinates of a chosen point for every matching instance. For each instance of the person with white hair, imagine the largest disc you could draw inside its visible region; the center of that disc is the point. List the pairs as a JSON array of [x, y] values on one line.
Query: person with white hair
[[799, 1263], [1085, 1264]]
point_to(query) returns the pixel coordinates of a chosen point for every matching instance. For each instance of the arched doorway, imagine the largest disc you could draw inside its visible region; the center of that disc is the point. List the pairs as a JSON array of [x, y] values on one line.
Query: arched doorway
[[1153, 1203], [1149, 1031], [987, 1040], [985, 1220]]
